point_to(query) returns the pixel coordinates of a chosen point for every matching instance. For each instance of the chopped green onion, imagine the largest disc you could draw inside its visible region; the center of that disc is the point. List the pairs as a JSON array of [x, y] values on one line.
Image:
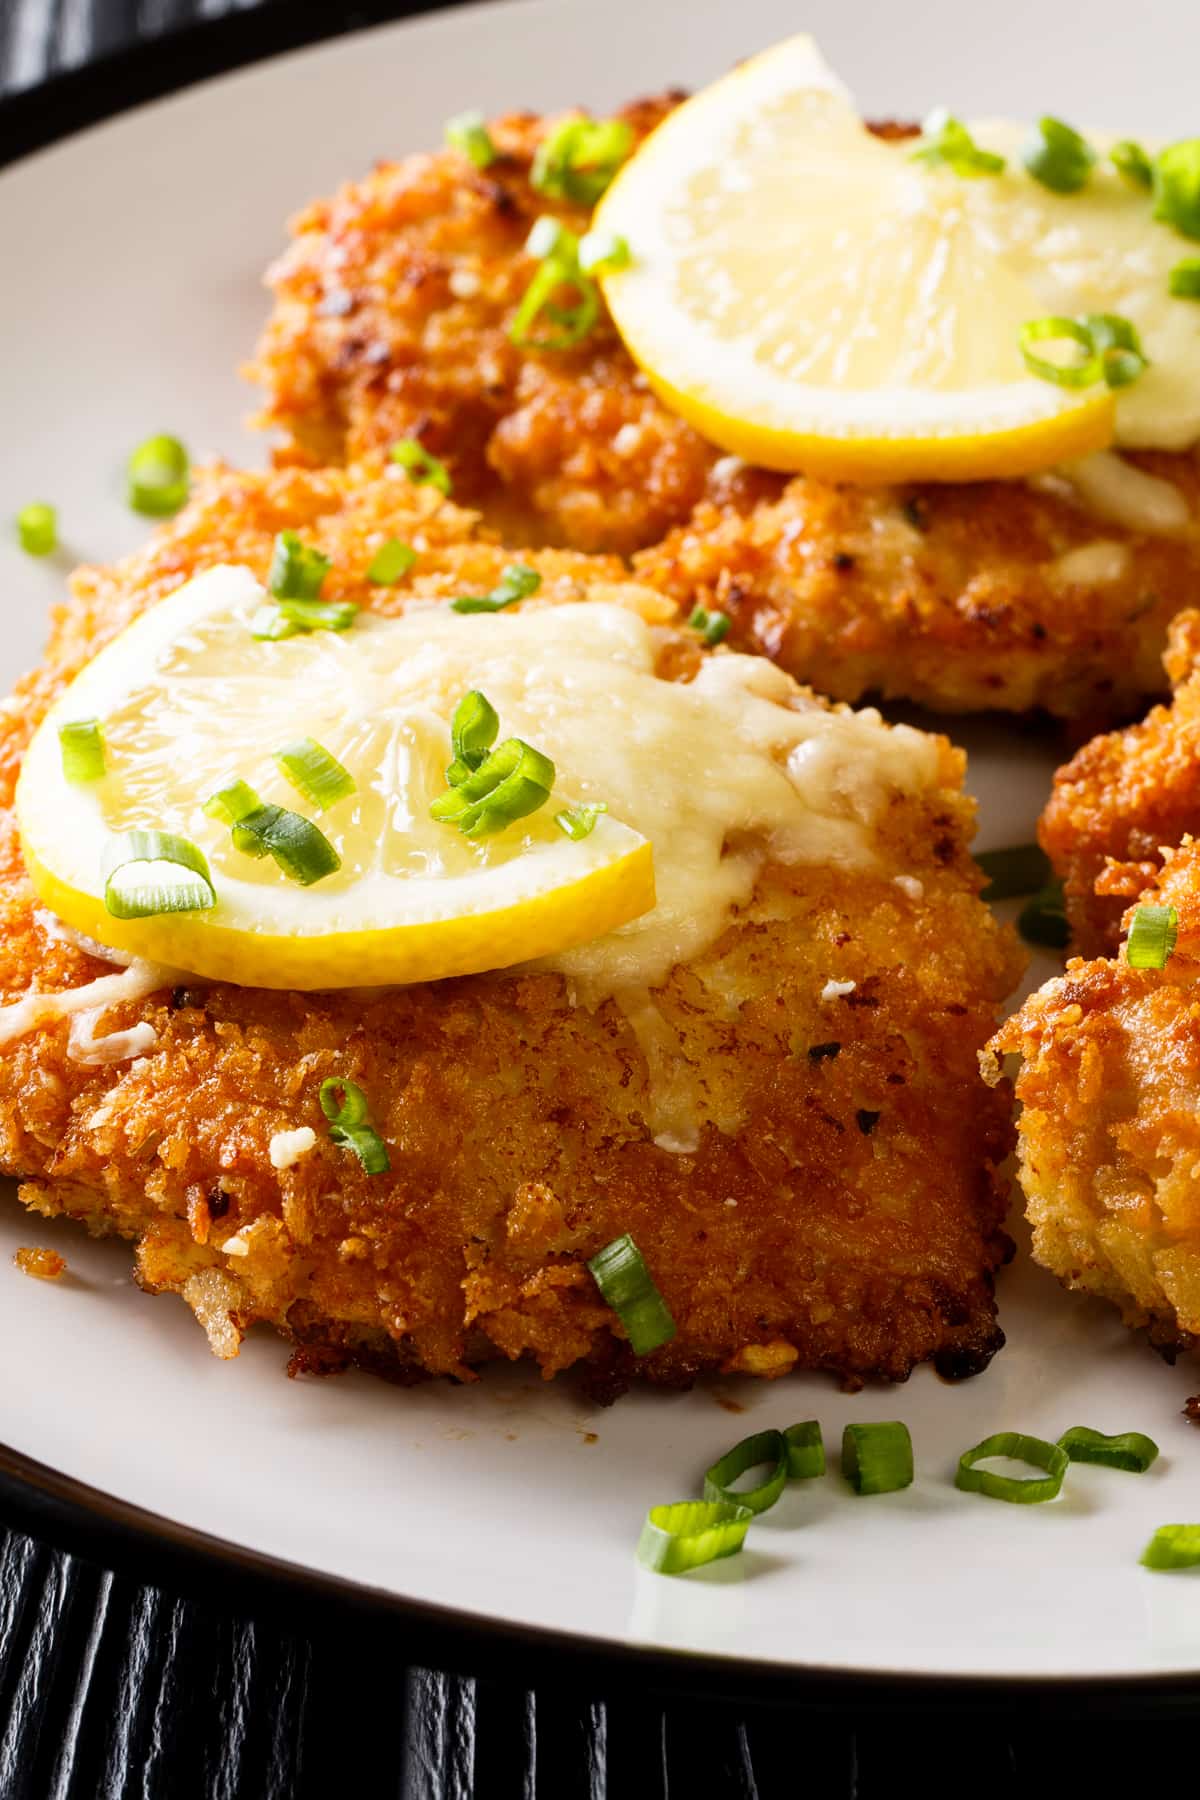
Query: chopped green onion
[[467, 132], [318, 775], [152, 872], [626, 1283], [1184, 279], [578, 822], [947, 144], [158, 477], [230, 805], [1023, 869], [579, 158], [1130, 160], [542, 322], [1173, 1547], [300, 849], [691, 1533], [512, 782], [390, 563], [473, 731], [1044, 921], [1151, 937], [805, 1450], [1015, 1444], [345, 1106], [1177, 187], [297, 570], [1084, 371], [712, 626], [37, 528], [600, 252], [877, 1459], [1058, 157], [82, 747], [516, 582], [286, 618], [420, 465], [763, 1447], [1121, 355], [1130, 1450]]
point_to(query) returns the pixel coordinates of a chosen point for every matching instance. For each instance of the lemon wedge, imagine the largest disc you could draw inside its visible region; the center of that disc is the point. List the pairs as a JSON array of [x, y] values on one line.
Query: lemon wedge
[[187, 701], [810, 297]]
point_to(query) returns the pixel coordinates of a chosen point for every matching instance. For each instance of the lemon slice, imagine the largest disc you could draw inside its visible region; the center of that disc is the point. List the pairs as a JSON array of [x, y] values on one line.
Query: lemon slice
[[809, 297], [189, 701]]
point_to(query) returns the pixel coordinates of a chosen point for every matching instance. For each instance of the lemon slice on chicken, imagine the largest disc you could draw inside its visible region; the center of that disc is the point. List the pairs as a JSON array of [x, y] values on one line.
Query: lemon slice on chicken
[[188, 701], [808, 296]]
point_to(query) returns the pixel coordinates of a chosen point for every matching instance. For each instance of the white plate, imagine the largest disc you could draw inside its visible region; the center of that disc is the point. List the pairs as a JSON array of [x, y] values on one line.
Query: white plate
[[134, 295]]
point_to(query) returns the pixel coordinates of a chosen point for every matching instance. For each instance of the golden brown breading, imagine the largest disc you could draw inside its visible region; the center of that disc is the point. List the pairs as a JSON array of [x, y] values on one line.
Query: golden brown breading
[[1123, 797], [1109, 1131], [847, 1216]]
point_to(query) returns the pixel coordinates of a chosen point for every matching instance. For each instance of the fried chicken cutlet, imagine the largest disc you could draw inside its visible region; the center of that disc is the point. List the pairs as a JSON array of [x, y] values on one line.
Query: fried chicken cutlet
[[837, 1206], [1123, 798], [1109, 1132], [393, 310]]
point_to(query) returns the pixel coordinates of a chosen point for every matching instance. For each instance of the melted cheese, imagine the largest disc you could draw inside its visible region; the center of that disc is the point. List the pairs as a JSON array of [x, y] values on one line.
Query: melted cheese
[[94, 998], [1120, 493]]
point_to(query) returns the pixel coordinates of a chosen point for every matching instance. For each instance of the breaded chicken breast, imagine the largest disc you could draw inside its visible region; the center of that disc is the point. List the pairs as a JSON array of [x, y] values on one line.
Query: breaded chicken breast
[[1125, 796], [1109, 1134], [393, 308], [838, 1206]]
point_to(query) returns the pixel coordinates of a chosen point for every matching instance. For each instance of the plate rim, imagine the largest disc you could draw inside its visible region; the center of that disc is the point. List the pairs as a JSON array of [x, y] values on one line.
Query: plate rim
[[149, 1546]]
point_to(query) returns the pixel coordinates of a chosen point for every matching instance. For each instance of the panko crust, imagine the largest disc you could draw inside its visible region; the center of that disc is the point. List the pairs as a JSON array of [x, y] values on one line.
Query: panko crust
[[847, 1216], [391, 319], [1109, 1132], [1123, 797]]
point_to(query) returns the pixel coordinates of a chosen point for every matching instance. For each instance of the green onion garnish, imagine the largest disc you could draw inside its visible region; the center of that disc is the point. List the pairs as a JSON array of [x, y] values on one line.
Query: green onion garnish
[[1058, 157], [420, 465], [1044, 921], [805, 1450], [473, 731], [1184, 279], [297, 570], [318, 775], [947, 144], [1177, 187], [1130, 160], [600, 252], [542, 321], [1023, 869], [516, 582], [302, 851], [625, 1282], [712, 626], [151, 872], [1110, 346], [1130, 1450], [345, 1106], [286, 618], [1151, 937], [1121, 355], [691, 1533], [1025, 1492], [467, 132], [82, 747], [231, 804], [390, 563], [877, 1459], [158, 477], [579, 158], [1173, 1547], [763, 1447], [512, 782], [578, 822], [37, 528]]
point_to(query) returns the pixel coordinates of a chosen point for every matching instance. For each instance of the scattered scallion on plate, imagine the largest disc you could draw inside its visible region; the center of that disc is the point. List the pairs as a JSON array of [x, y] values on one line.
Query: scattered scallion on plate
[[158, 477], [489, 789], [153, 872], [468, 132], [1098, 347], [1184, 279], [1173, 1547], [1020, 1448], [345, 1107], [297, 570], [1130, 161], [1014, 872], [422, 467], [1152, 937], [805, 1450], [1130, 1450], [391, 563], [878, 1458], [579, 822], [947, 144], [517, 582], [81, 742], [1177, 187], [259, 829], [37, 528], [315, 772], [1058, 157], [713, 627], [547, 318], [286, 618], [690, 1533], [620, 1272], [577, 160], [762, 1449]]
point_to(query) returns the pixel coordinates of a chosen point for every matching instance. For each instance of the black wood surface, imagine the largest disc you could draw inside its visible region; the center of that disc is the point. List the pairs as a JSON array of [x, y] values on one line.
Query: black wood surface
[[113, 1690]]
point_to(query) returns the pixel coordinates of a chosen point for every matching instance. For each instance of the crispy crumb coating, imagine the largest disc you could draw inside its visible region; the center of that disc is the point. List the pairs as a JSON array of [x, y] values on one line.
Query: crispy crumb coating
[[1109, 1134], [846, 1214], [1123, 797], [392, 311]]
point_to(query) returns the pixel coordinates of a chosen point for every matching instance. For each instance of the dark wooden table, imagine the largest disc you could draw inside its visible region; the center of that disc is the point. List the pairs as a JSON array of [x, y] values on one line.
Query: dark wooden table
[[111, 1689]]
